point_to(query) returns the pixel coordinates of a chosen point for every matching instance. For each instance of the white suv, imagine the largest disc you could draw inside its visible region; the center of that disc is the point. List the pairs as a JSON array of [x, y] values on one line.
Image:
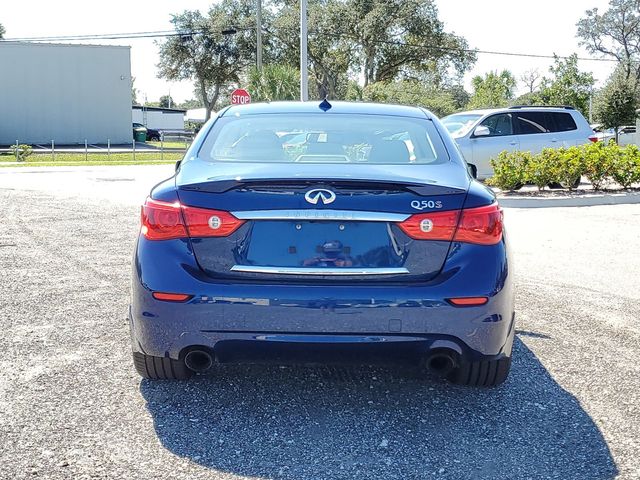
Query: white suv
[[483, 134]]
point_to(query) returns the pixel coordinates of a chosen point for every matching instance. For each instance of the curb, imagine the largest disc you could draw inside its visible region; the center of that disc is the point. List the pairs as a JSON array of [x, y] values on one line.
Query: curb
[[584, 200]]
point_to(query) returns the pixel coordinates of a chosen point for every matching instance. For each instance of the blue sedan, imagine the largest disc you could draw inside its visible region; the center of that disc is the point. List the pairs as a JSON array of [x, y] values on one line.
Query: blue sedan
[[299, 226]]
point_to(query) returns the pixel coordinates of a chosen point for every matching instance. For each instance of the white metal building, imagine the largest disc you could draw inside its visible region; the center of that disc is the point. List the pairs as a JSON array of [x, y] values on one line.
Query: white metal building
[[159, 118], [64, 93]]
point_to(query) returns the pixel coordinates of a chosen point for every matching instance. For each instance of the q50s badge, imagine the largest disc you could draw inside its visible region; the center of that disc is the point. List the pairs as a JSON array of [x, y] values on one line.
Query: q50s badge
[[422, 204]]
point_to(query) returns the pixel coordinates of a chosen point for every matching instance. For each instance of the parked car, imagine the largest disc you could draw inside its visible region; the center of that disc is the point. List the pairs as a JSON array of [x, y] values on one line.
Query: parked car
[[603, 134], [153, 135], [353, 241], [627, 135], [150, 134], [483, 134]]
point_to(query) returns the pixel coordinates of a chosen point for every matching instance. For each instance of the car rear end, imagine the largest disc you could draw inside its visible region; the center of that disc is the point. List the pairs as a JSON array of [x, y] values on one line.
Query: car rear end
[[368, 234]]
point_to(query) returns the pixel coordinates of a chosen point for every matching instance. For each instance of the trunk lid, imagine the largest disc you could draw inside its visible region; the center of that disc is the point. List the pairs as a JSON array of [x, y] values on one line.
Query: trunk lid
[[322, 222]]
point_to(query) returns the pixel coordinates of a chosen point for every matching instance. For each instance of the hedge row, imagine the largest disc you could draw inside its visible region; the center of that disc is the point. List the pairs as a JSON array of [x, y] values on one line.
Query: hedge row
[[601, 164]]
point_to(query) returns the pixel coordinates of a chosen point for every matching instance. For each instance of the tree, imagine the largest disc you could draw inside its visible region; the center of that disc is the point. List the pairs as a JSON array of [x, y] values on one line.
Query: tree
[[615, 105], [493, 90], [440, 101], [190, 104], [166, 102], [2, 31], [531, 79], [330, 55], [568, 86], [202, 53], [403, 38], [378, 40], [274, 82], [614, 34]]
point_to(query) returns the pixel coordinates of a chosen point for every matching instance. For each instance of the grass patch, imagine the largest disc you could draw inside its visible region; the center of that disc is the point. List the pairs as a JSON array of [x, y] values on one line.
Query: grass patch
[[181, 145], [65, 159], [81, 164]]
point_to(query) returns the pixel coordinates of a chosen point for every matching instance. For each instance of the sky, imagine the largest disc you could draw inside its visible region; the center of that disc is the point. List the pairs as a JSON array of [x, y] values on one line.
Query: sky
[[496, 25]]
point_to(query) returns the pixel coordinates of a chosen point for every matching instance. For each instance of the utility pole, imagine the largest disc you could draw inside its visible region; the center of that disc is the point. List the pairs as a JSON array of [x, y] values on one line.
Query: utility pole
[[304, 69], [259, 35]]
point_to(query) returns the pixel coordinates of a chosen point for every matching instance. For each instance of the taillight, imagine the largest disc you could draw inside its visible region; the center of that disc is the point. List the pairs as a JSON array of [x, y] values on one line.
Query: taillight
[[202, 222], [594, 138], [165, 221], [162, 220], [431, 226], [481, 225]]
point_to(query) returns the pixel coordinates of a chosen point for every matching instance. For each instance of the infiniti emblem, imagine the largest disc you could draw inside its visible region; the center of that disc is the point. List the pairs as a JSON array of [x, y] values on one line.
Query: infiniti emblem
[[320, 194]]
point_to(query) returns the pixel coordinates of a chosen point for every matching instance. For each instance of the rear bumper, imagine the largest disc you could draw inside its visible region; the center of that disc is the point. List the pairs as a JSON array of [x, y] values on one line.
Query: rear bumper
[[237, 313]]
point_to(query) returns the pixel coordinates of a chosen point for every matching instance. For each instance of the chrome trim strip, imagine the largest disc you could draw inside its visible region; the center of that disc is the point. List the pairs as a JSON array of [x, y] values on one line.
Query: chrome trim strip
[[324, 214], [318, 271]]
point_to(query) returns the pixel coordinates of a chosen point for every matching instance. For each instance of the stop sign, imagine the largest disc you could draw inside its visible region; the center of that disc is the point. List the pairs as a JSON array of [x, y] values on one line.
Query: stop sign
[[240, 97]]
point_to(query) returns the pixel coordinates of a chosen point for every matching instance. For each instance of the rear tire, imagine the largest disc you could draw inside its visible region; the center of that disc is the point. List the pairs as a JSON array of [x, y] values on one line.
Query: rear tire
[[483, 373], [160, 368]]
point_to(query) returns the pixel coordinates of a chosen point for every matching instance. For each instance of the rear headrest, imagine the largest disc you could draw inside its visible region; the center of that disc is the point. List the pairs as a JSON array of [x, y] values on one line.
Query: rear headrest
[[389, 151], [263, 145]]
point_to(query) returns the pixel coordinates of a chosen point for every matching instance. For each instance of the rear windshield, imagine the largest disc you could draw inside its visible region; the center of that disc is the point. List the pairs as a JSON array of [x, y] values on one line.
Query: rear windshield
[[323, 138]]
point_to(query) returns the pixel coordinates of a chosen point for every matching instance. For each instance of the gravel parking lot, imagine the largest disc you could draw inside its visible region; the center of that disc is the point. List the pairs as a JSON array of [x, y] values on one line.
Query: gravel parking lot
[[71, 405]]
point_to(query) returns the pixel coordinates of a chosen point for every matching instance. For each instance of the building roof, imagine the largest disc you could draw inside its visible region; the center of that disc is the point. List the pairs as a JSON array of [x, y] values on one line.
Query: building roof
[[53, 44], [158, 109]]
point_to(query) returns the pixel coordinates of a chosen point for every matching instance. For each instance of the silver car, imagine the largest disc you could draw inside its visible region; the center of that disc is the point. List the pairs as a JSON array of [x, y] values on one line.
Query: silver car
[[483, 134]]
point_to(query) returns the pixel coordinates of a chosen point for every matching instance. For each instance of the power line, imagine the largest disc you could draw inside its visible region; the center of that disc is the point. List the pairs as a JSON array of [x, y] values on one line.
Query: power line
[[165, 34], [473, 50]]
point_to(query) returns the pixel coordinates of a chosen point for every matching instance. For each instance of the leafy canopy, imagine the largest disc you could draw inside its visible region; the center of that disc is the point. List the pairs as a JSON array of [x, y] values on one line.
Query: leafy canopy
[[614, 34], [493, 90], [568, 86], [201, 52], [615, 105], [275, 82], [441, 101]]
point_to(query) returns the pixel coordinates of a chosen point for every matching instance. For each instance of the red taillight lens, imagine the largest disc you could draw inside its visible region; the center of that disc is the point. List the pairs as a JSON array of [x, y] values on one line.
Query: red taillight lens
[[165, 221], [431, 226], [594, 138], [482, 225], [171, 297], [202, 222], [162, 220]]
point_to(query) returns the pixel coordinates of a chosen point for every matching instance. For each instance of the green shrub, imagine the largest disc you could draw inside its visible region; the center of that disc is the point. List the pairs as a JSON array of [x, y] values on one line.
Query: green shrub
[[598, 163], [570, 167], [626, 168], [543, 168], [21, 152], [509, 170]]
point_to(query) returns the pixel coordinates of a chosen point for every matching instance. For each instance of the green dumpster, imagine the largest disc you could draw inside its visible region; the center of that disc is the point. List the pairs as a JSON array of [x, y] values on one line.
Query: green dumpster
[[140, 135]]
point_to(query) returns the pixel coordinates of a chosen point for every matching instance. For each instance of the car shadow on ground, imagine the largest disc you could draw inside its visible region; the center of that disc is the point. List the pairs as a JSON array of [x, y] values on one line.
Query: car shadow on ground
[[378, 422]]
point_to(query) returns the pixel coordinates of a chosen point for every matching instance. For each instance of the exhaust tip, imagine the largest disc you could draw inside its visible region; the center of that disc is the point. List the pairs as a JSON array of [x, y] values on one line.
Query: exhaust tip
[[440, 363], [198, 361]]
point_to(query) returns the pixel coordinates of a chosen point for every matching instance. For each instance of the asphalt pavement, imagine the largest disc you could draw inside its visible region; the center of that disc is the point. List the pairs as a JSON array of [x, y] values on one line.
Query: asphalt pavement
[[72, 407]]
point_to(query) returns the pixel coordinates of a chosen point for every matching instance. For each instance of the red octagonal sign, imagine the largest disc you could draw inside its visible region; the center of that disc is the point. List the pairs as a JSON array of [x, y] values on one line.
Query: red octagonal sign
[[240, 97]]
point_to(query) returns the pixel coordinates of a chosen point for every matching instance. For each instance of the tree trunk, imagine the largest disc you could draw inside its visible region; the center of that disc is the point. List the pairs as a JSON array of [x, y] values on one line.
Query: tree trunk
[[209, 104], [205, 101]]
